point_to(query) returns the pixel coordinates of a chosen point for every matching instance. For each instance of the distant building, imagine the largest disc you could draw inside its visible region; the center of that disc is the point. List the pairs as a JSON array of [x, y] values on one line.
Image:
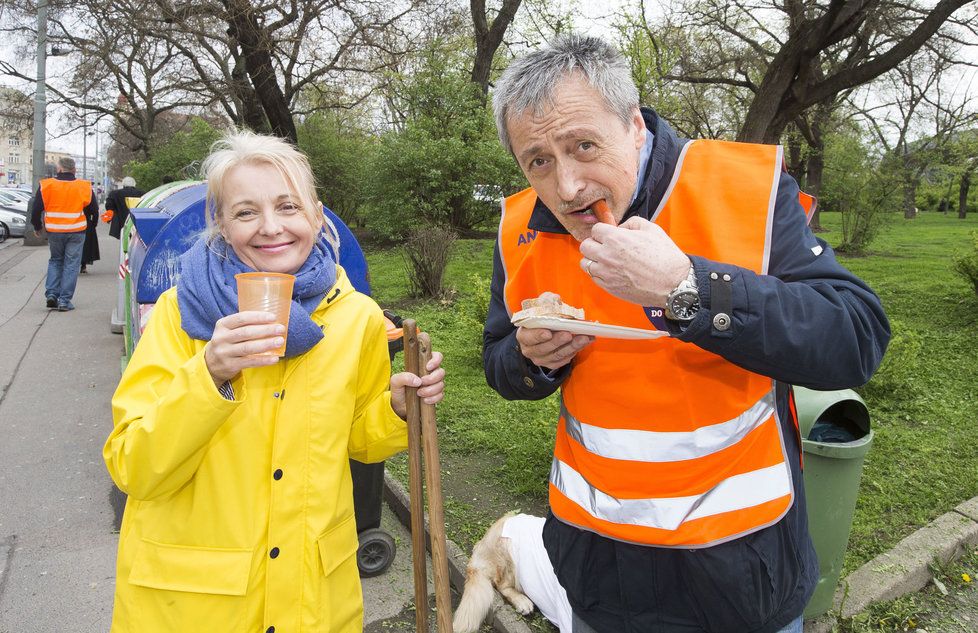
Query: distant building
[[16, 137]]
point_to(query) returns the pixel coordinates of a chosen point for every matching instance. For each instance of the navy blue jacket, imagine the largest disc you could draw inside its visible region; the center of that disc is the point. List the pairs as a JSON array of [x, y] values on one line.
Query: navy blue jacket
[[809, 322]]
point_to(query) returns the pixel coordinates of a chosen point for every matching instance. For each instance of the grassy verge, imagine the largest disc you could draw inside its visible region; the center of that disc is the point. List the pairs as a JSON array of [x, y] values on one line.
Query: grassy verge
[[949, 604], [497, 453]]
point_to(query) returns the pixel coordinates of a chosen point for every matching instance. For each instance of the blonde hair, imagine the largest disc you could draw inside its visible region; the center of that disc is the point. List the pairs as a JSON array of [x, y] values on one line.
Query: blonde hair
[[243, 147]]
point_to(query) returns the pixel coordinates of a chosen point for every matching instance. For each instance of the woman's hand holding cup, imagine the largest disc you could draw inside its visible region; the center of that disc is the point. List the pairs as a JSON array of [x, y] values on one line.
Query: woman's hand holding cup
[[242, 340]]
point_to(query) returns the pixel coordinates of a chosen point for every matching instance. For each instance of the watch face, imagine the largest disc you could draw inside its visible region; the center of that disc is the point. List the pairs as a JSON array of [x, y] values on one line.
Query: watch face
[[685, 305]]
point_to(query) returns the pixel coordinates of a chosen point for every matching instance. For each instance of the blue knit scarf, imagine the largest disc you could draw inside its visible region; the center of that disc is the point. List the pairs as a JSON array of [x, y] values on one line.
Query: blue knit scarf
[[207, 291]]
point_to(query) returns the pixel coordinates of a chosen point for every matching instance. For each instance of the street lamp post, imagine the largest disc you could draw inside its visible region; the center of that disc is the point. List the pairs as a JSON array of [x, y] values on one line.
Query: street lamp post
[[40, 114], [40, 98], [40, 103]]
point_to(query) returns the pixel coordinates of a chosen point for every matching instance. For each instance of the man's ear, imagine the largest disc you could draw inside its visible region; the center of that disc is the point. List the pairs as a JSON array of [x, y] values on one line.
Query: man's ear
[[638, 128]]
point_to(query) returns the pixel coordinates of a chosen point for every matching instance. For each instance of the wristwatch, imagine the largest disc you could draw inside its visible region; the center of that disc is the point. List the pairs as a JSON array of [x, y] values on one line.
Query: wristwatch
[[683, 302]]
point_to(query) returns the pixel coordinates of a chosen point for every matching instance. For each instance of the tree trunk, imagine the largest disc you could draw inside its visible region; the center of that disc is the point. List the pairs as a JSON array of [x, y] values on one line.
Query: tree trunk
[[942, 207], [252, 40], [489, 37], [963, 195], [909, 200], [796, 164], [251, 113]]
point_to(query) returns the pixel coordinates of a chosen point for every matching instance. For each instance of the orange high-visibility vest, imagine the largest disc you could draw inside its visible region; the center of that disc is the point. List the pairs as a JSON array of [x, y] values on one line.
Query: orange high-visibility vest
[[64, 204], [660, 442]]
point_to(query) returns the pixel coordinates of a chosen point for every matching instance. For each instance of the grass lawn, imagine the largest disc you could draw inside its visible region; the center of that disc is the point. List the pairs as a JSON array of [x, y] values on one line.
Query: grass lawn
[[496, 454]]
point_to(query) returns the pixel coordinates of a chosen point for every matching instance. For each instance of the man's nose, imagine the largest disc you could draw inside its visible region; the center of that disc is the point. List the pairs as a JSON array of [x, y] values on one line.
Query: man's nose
[[569, 180]]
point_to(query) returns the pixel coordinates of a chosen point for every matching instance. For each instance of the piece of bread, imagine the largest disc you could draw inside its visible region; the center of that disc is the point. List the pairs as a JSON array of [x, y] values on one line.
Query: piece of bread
[[548, 305]]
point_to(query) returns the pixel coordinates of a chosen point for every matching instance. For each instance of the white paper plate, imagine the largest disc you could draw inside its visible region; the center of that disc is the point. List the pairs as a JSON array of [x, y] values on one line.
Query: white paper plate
[[591, 328]]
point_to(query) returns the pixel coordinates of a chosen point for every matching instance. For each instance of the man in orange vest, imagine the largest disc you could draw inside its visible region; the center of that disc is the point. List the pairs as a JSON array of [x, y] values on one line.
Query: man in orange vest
[[676, 494], [63, 203]]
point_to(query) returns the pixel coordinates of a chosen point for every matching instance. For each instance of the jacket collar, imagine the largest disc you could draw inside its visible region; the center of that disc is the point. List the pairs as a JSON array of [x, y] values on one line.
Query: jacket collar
[[64, 175], [340, 290], [665, 152]]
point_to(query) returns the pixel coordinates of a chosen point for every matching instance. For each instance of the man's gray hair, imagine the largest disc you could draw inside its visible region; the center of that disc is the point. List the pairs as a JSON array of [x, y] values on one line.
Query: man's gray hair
[[66, 163], [128, 181], [529, 82]]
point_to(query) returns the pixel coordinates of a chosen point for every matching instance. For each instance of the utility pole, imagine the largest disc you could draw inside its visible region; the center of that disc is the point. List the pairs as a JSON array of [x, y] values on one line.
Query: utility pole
[[40, 105], [40, 97]]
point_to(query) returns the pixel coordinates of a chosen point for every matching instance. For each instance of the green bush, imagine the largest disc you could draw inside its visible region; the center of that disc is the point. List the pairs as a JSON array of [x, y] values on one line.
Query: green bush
[[859, 186], [339, 150], [444, 165], [177, 158], [966, 264]]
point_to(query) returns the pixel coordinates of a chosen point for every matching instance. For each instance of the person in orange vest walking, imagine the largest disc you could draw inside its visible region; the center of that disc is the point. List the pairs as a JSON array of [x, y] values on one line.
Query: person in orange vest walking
[[62, 203], [676, 495]]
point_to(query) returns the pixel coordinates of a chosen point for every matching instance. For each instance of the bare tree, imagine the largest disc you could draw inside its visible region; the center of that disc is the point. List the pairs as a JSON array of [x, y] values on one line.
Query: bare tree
[[793, 54], [489, 36], [913, 114], [263, 64]]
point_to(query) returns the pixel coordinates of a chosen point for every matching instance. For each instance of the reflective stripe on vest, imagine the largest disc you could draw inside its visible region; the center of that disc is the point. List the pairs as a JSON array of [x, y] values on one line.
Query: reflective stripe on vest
[[660, 442], [64, 204]]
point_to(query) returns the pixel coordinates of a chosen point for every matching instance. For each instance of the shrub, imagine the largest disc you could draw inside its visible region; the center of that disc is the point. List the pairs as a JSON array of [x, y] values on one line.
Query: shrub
[[426, 255], [442, 163], [860, 186], [338, 149], [178, 158], [966, 264]]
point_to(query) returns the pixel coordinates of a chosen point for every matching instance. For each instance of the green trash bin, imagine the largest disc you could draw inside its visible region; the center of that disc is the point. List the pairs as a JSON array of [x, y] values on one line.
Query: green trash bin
[[836, 436]]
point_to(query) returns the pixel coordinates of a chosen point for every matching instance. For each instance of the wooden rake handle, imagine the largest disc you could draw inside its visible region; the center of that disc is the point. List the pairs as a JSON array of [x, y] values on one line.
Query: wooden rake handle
[[436, 506], [412, 363]]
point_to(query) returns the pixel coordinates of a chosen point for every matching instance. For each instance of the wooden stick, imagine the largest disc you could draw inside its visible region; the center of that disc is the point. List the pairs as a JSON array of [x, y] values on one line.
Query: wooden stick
[[436, 508], [412, 359]]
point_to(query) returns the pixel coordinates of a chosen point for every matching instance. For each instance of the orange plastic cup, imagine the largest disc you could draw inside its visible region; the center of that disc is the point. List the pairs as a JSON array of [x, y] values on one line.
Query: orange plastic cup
[[267, 292]]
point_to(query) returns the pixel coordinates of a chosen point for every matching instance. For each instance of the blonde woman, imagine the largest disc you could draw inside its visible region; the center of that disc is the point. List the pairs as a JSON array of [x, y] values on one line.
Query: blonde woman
[[240, 511]]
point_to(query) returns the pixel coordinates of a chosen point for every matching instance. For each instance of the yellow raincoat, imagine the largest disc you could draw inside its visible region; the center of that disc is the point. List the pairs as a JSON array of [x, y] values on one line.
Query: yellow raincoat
[[240, 513]]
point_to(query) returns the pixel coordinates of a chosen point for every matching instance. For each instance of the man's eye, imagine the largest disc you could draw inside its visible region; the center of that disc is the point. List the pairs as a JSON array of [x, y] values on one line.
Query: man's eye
[[586, 145], [536, 163]]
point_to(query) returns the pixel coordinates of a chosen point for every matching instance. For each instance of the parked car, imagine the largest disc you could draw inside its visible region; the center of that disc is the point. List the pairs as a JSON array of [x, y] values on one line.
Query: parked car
[[12, 223], [13, 199]]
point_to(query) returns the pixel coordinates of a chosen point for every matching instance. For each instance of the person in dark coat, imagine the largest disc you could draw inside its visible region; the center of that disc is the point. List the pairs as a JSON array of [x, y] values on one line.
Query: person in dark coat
[[116, 203], [90, 253]]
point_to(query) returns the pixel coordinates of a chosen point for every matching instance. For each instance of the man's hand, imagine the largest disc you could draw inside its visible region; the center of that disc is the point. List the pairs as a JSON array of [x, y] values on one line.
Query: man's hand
[[236, 341], [635, 261], [548, 348]]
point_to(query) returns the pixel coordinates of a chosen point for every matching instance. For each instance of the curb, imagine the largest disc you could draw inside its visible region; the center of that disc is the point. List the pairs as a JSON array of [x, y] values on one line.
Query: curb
[[905, 568], [502, 617]]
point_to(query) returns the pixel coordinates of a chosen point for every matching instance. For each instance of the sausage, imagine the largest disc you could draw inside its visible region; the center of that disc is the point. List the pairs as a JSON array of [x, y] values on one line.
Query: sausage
[[603, 213]]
